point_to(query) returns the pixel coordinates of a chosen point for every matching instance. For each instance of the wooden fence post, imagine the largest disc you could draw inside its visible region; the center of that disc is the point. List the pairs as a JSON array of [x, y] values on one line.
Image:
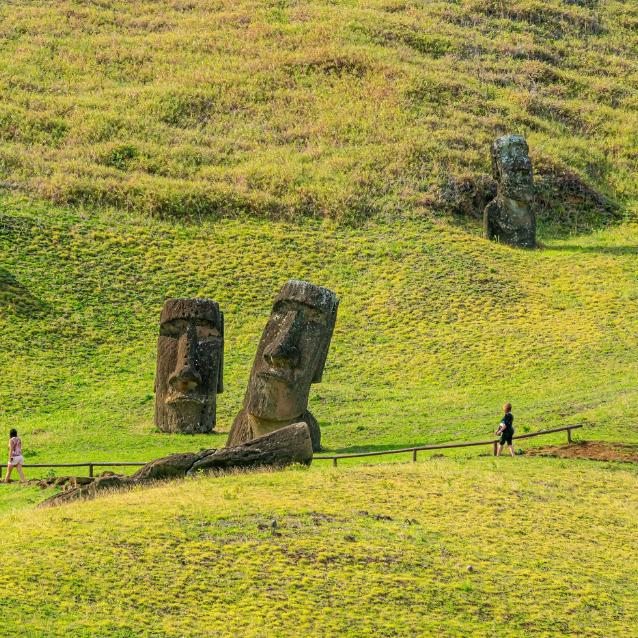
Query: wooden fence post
[[91, 470], [495, 448], [569, 436], [413, 456], [334, 462]]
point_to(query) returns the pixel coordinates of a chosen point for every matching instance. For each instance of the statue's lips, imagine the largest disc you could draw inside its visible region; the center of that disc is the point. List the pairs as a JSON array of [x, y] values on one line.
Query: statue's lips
[[184, 399], [275, 374]]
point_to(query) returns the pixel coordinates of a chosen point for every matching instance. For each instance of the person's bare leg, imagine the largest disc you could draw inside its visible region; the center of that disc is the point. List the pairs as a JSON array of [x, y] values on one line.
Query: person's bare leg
[[499, 450], [511, 447], [7, 478], [21, 473]]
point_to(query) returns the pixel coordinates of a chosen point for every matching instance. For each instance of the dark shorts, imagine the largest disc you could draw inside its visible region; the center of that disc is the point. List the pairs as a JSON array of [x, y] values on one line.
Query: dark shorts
[[506, 437]]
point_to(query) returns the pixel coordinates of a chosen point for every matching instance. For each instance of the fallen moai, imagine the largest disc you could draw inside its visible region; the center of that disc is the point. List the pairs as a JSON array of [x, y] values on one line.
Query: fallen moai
[[286, 446], [190, 363], [510, 217], [290, 357]]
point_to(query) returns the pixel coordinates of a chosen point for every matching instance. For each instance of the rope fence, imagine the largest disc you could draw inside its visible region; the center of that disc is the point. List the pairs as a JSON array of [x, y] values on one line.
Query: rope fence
[[443, 446], [331, 457]]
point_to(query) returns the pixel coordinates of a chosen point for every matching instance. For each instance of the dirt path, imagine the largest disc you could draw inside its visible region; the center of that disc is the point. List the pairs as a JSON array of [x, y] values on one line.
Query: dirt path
[[593, 450]]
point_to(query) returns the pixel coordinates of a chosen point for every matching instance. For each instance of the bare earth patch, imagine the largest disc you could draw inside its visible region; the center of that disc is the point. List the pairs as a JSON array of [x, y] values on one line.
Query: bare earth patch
[[593, 450]]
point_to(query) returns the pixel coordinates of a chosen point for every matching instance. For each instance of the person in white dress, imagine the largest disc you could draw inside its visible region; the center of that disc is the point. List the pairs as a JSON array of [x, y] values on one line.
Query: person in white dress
[[15, 457]]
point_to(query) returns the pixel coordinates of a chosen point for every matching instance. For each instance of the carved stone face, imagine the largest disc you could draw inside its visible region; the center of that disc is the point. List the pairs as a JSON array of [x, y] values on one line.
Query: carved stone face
[[190, 356], [513, 168], [291, 354]]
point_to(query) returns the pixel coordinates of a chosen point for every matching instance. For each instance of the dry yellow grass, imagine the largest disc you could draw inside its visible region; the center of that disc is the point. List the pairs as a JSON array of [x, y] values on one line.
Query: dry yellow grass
[[331, 108]]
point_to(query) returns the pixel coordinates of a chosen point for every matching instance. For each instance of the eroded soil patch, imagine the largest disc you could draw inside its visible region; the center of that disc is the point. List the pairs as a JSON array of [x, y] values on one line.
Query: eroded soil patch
[[593, 450]]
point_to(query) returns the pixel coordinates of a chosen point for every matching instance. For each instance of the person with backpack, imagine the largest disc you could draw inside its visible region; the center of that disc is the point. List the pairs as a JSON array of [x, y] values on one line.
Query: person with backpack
[[506, 430], [15, 457]]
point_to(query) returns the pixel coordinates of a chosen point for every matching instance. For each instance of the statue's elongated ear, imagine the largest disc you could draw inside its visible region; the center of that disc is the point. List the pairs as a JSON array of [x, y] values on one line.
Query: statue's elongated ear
[[220, 376], [326, 345], [496, 171]]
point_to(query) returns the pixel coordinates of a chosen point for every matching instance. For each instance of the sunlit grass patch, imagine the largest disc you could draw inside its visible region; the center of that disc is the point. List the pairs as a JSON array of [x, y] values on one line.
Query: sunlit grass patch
[[478, 548]]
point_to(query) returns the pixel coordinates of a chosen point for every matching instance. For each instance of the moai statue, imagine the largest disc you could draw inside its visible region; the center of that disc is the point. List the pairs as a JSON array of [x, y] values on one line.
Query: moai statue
[[190, 362], [290, 357], [509, 217]]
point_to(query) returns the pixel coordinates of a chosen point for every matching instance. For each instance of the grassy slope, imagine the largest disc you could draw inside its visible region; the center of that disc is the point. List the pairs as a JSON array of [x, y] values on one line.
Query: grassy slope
[[552, 547], [340, 108], [436, 327], [185, 108]]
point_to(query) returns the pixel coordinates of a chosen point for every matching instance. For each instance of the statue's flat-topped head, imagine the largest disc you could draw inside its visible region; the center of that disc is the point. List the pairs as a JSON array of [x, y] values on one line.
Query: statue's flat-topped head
[[190, 364], [306, 293], [513, 167], [292, 351], [511, 144], [510, 216], [196, 308]]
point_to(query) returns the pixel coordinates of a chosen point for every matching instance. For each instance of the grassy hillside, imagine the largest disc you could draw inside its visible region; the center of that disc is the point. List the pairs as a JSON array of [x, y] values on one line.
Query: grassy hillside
[[334, 108], [192, 148], [545, 548], [436, 327]]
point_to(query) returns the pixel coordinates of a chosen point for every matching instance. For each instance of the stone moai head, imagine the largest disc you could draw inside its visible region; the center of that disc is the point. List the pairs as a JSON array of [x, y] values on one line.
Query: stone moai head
[[292, 352], [190, 361], [512, 168]]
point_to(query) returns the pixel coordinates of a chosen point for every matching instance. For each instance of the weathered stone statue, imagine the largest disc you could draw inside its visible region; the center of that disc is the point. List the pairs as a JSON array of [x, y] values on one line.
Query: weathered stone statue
[[290, 357], [190, 361], [509, 217]]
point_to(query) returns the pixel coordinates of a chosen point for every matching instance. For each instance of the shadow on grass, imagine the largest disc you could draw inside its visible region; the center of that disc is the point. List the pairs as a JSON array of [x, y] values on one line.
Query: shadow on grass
[[16, 297], [357, 449], [603, 250]]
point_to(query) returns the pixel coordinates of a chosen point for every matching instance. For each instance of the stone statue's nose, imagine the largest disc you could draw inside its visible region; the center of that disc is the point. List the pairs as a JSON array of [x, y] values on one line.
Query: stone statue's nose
[[185, 376], [283, 350]]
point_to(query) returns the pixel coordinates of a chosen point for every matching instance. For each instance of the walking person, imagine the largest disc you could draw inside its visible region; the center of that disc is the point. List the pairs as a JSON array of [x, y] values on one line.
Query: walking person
[[15, 456], [506, 430]]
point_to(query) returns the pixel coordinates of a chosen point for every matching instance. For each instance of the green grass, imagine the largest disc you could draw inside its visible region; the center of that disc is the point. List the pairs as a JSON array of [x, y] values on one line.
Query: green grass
[[436, 327], [156, 149], [380, 551], [334, 108]]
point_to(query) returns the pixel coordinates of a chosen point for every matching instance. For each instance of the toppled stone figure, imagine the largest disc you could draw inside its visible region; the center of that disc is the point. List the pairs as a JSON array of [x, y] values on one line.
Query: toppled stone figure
[[290, 357], [286, 446], [190, 363], [509, 217]]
